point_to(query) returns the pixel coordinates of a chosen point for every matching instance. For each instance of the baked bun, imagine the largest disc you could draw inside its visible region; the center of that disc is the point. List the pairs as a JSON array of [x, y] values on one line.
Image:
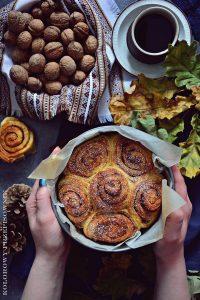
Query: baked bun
[[110, 188]]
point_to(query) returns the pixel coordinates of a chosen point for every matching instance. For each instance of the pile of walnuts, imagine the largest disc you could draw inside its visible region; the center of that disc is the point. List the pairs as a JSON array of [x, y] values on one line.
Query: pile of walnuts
[[51, 48]]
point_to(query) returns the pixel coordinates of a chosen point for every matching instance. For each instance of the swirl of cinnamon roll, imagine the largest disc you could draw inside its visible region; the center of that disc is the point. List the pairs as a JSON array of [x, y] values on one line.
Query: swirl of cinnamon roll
[[71, 192], [88, 156], [109, 190], [132, 157], [109, 228], [147, 201], [16, 140]]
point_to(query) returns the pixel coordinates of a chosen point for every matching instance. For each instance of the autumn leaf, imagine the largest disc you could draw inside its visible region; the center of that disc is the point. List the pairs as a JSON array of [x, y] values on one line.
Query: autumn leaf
[[159, 98], [190, 160], [196, 94], [183, 64]]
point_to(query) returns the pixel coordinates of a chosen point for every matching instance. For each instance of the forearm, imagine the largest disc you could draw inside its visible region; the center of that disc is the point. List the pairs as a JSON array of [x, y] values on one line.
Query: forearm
[[171, 280], [45, 280]]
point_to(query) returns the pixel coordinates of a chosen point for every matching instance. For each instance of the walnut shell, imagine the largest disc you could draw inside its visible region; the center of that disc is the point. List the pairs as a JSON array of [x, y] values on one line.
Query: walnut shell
[[51, 33], [48, 7], [19, 56], [75, 50], [87, 63], [76, 17], [38, 45], [37, 13], [36, 27], [37, 63], [27, 18], [24, 40], [52, 71], [78, 77], [67, 36], [81, 30], [91, 45], [19, 75], [26, 66], [53, 50], [60, 19], [34, 84], [10, 38], [67, 65], [53, 87], [64, 79], [16, 21]]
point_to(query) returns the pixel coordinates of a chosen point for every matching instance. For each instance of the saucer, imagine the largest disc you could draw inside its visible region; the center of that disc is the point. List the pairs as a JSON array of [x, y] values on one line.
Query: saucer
[[119, 37]]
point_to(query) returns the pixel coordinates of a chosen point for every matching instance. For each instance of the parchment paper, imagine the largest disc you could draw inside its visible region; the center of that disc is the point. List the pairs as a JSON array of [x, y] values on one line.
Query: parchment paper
[[163, 152]]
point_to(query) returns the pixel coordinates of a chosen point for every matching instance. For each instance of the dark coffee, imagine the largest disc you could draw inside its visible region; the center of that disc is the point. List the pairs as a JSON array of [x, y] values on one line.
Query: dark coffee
[[154, 32]]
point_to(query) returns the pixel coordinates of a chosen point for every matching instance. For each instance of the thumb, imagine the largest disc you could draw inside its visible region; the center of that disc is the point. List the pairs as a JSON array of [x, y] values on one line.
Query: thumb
[[173, 225], [43, 201]]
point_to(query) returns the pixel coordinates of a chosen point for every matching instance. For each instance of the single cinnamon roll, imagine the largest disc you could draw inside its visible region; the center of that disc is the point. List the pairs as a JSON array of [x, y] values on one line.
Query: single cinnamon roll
[[147, 201], [72, 193], [88, 156], [16, 140], [132, 157], [109, 190], [109, 228]]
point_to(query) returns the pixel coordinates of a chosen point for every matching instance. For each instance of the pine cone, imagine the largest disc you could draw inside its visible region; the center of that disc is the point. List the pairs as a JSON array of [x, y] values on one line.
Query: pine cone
[[15, 201], [15, 198]]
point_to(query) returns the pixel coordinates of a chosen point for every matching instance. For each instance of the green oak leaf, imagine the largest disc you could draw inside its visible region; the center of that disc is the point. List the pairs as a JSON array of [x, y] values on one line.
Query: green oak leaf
[[190, 159], [183, 63]]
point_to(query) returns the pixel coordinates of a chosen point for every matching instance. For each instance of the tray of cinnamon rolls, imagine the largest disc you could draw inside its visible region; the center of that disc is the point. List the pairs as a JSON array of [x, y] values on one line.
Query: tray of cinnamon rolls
[[110, 191]]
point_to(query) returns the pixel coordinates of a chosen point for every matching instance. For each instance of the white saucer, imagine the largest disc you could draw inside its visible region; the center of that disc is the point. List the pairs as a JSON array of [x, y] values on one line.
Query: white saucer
[[122, 24]]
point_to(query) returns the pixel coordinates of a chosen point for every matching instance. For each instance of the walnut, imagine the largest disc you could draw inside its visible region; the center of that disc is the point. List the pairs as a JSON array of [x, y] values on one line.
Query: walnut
[[78, 77], [91, 45], [67, 65], [19, 56], [36, 27], [16, 21], [24, 40], [64, 79], [18, 74], [26, 66], [53, 87], [48, 7], [81, 30], [34, 84], [51, 33], [38, 45], [60, 19], [75, 50], [52, 71], [87, 63], [53, 50], [76, 17], [37, 13], [67, 36], [10, 38], [27, 18], [37, 63]]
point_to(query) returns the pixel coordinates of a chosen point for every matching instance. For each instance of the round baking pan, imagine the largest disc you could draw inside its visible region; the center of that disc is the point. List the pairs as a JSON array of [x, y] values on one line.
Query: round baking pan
[[167, 172]]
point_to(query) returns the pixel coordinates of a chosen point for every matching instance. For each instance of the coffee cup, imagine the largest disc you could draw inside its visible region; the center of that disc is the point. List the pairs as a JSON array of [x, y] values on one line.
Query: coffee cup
[[151, 32]]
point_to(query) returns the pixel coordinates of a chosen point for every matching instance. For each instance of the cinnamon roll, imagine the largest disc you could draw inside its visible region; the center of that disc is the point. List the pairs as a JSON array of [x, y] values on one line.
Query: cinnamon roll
[[147, 201], [132, 157], [72, 193], [16, 140], [87, 157], [109, 190], [109, 228]]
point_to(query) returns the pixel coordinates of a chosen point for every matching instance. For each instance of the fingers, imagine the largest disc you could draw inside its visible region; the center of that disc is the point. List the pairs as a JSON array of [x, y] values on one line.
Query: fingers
[[31, 205], [56, 150], [180, 185]]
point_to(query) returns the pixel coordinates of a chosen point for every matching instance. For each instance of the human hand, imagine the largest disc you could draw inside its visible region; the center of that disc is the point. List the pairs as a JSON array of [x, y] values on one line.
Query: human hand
[[171, 247], [49, 239]]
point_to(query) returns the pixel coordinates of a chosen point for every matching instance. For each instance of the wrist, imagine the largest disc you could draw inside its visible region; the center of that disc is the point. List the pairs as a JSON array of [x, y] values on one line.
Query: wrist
[[175, 258]]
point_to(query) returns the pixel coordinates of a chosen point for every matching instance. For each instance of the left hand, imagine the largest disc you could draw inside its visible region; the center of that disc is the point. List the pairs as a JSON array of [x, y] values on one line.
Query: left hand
[[47, 234]]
